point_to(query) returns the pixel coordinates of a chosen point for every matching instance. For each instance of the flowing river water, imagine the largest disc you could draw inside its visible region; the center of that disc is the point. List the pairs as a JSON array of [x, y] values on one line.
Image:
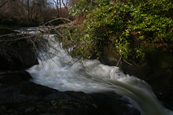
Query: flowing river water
[[64, 73]]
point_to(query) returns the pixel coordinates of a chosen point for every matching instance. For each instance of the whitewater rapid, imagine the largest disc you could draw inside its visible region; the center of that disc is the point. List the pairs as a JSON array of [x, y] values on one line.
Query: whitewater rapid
[[64, 73]]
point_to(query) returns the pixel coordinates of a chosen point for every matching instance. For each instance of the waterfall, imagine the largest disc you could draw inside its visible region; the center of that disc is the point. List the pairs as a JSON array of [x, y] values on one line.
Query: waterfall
[[64, 73]]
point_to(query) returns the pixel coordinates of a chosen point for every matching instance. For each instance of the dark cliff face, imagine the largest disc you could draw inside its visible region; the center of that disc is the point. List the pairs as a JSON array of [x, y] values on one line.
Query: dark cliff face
[[16, 53]]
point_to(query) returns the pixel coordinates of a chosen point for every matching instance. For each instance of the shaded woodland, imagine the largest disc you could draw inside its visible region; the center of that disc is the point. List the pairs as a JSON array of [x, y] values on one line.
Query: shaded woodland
[[31, 12]]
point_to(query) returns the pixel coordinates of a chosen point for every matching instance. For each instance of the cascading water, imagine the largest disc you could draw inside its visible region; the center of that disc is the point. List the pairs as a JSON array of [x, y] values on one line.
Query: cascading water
[[64, 73]]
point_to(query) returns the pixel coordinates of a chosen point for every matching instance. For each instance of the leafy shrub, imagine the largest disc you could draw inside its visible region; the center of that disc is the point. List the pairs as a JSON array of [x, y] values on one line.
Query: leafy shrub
[[128, 24]]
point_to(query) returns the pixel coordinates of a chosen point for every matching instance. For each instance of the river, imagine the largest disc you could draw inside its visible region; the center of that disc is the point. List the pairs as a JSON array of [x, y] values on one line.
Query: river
[[64, 73]]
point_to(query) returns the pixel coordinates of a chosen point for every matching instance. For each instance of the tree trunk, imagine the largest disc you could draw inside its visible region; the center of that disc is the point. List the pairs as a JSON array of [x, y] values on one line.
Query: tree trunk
[[28, 9], [60, 8]]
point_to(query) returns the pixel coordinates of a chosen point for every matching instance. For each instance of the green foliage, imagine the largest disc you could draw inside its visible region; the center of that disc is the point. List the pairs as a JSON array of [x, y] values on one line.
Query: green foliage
[[85, 6], [130, 25]]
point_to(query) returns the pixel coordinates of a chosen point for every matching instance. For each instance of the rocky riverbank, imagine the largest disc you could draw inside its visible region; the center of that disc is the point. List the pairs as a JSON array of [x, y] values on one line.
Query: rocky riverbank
[[156, 69], [19, 96]]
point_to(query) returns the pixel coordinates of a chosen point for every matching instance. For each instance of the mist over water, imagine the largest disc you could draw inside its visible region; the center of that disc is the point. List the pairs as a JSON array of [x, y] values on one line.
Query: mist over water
[[64, 73]]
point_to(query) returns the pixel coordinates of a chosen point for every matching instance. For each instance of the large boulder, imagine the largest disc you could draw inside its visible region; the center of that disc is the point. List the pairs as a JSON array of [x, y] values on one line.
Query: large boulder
[[19, 96], [17, 52]]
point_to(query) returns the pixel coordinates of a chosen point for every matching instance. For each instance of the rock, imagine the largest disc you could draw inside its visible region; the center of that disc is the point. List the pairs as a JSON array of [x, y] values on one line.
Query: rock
[[113, 104], [17, 52], [19, 96], [15, 87], [14, 78]]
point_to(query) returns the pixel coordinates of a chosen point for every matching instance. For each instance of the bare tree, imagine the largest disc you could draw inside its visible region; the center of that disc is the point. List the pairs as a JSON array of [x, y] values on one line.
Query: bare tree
[[59, 4], [28, 8], [33, 10]]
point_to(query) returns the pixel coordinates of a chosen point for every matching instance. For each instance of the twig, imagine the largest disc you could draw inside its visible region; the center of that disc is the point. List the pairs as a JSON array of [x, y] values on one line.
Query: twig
[[57, 19], [127, 61], [119, 60]]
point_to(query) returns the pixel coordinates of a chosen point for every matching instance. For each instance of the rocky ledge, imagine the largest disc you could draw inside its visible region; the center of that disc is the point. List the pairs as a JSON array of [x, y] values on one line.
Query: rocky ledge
[[17, 51], [19, 96]]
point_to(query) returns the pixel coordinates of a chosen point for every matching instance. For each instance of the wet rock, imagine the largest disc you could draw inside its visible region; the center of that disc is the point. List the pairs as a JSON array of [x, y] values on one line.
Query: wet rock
[[15, 87], [19, 96], [62, 107], [17, 52], [113, 104]]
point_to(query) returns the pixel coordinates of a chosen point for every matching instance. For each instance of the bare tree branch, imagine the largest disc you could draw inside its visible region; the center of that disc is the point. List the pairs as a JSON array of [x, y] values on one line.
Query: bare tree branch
[[1, 5]]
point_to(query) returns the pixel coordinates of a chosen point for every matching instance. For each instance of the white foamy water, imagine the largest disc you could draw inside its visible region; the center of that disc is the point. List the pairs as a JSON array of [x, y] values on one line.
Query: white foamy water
[[31, 30], [64, 73]]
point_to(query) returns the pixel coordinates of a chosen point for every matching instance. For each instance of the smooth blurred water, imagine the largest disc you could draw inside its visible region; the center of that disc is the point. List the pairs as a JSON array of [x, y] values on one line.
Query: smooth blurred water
[[64, 73]]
